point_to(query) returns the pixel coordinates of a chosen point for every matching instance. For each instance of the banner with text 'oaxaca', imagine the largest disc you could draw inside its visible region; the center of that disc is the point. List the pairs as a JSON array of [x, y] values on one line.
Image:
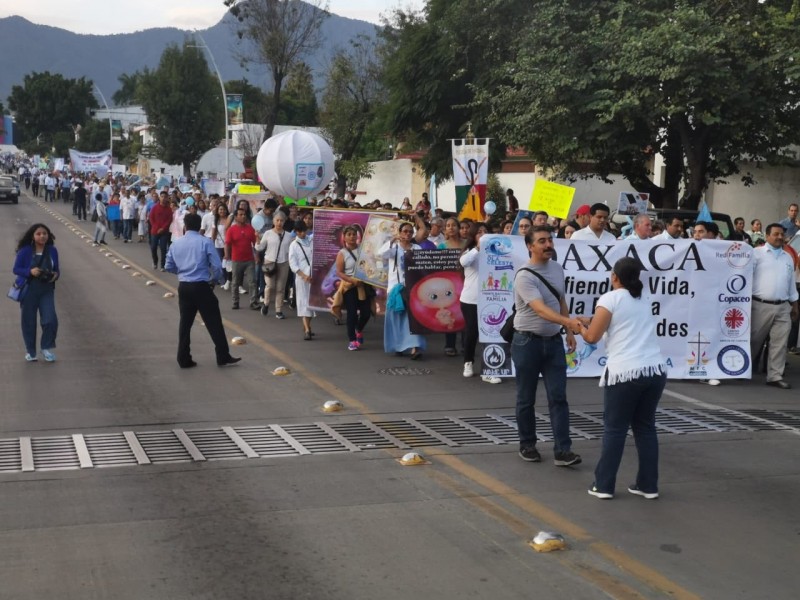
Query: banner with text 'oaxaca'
[[699, 295], [470, 174]]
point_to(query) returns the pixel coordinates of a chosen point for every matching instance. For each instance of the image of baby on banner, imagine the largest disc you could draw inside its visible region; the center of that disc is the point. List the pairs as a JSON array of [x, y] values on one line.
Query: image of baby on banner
[[433, 287]]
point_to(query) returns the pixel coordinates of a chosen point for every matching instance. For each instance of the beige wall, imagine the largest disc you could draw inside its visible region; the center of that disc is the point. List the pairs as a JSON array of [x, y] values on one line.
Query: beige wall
[[768, 200]]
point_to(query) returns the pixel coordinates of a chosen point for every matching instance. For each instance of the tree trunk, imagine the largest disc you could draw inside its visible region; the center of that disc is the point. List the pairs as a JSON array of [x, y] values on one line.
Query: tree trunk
[[341, 186], [695, 147], [187, 170], [272, 116]]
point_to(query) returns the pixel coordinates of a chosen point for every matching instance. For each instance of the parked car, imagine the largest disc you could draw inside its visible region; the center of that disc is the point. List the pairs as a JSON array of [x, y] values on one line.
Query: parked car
[[9, 188]]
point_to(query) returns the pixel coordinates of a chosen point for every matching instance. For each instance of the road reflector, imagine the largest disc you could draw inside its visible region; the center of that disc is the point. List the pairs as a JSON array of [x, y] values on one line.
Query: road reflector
[[548, 541], [169, 295], [238, 341], [149, 281], [332, 406], [413, 459], [280, 371]]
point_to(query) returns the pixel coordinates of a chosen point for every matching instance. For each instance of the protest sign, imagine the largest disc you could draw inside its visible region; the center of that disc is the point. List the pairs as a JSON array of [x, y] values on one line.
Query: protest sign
[[434, 281], [87, 162], [553, 198], [699, 294], [380, 228], [632, 203], [248, 189]]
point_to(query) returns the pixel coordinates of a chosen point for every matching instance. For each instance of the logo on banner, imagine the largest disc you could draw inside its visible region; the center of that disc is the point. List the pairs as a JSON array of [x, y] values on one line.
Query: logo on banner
[[733, 322], [734, 288], [698, 356], [494, 356], [493, 316], [738, 255], [733, 361], [499, 247]]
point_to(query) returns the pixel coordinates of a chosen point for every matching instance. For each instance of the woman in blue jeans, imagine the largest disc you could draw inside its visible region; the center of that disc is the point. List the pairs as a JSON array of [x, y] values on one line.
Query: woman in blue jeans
[[633, 380], [37, 263]]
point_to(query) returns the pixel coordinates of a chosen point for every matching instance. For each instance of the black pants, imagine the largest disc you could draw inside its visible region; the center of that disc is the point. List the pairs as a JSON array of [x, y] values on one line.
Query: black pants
[[194, 298], [80, 209], [358, 312], [161, 241], [470, 312]]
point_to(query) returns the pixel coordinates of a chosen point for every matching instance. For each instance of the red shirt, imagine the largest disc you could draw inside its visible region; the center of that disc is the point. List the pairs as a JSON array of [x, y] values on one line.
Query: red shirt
[[160, 219], [241, 239]]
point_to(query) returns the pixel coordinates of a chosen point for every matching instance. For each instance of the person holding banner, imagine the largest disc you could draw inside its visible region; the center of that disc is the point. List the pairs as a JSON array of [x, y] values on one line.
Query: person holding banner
[[538, 349], [596, 230], [355, 294], [397, 336], [633, 380]]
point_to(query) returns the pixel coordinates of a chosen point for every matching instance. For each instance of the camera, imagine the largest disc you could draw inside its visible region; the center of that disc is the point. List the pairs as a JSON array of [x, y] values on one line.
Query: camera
[[45, 275]]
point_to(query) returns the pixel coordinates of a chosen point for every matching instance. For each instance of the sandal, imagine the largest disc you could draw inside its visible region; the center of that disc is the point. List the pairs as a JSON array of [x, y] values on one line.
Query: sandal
[[415, 354], [451, 352]]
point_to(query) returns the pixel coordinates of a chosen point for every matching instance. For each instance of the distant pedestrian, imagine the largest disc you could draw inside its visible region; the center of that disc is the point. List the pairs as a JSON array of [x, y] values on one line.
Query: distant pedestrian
[[196, 262], [300, 257], [37, 263]]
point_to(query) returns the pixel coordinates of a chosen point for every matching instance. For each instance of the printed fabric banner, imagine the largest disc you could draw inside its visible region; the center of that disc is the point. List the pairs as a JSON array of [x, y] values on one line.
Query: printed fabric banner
[[434, 280], [380, 228], [235, 111], [86, 162], [470, 172], [327, 241], [699, 294], [116, 129]]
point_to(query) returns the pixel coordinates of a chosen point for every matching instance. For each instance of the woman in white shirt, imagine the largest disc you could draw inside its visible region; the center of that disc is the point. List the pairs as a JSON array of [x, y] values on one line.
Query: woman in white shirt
[[276, 263], [300, 254], [633, 380]]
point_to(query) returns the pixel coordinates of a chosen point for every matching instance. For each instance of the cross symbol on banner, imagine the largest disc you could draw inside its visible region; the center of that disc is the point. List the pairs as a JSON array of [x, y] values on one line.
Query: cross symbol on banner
[[699, 343]]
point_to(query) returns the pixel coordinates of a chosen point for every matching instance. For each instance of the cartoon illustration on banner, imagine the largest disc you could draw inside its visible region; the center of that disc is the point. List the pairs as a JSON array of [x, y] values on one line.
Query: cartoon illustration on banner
[[380, 228], [434, 282]]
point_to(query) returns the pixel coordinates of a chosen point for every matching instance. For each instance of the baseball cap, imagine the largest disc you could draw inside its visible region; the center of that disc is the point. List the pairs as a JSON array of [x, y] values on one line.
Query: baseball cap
[[583, 209]]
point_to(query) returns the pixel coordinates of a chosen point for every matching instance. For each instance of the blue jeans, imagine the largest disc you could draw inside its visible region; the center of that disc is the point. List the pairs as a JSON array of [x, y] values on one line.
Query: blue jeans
[[630, 404], [127, 229], [40, 301], [545, 356]]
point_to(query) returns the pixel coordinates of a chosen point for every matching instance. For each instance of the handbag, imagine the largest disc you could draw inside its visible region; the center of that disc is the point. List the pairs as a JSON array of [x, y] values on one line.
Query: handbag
[[94, 216], [271, 266], [507, 330], [17, 292]]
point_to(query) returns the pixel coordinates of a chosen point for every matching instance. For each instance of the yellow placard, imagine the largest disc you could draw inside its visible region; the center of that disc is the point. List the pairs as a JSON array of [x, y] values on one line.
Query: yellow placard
[[249, 189], [553, 198]]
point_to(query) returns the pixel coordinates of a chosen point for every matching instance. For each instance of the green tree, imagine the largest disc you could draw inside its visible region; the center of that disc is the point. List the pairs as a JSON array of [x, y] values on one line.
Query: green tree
[[299, 104], [433, 64], [282, 33], [126, 94], [48, 104], [182, 100], [353, 98], [708, 84], [94, 136]]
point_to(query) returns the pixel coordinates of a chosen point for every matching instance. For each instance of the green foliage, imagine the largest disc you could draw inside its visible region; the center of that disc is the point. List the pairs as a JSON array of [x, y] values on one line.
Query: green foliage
[[299, 103], [353, 99], [184, 105], [129, 85], [706, 84], [95, 136], [48, 104], [282, 33]]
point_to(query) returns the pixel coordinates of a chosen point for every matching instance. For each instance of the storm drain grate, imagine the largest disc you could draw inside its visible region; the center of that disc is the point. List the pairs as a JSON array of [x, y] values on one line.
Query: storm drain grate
[[53, 453], [10, 455], [414, 371], [79, 451], [110, 450]]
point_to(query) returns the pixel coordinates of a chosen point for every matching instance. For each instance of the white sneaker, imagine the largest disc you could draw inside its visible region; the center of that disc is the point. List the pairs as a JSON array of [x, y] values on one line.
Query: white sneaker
[[714, 382], [490, 379], [227, 286], [242, 290], [468, 372]]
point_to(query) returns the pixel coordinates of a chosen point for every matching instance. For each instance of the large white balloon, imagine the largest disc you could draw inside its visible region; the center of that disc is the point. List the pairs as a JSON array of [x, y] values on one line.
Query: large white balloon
[[297, 164]]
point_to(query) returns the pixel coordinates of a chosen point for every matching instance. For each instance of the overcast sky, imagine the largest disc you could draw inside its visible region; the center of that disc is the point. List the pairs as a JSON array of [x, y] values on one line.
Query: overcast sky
[[125, 16]]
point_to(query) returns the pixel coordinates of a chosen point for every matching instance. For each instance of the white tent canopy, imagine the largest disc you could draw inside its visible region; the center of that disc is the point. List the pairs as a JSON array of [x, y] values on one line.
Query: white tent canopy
[[213, 161]]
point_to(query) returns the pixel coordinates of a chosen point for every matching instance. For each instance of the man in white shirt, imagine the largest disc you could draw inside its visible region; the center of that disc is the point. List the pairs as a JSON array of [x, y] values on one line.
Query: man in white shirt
[[596, 230], [436, 236], [49, 188], [673, 230], [642, 227], [774, 303]]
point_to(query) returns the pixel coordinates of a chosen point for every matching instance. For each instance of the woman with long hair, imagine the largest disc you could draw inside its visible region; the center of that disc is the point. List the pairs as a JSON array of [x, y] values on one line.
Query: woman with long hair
[[356, 296], [37, 266], [220, 226], [633, 380]]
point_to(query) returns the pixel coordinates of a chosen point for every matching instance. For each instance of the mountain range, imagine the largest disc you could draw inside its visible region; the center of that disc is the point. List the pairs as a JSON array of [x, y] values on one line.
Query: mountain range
[[26, 47]]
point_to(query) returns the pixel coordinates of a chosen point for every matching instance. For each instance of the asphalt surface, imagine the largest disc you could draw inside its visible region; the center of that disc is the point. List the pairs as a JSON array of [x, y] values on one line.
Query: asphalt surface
[[351, 525]]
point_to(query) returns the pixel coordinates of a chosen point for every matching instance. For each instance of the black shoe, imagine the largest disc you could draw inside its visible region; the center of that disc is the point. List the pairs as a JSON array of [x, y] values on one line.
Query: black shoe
[[634, 489], [264, 310], [188, 365], [105, 243], [566, 459], [530, 454], [279, 315], [255, 306], [235, 306], [780, 383], [307, 336], [231, 360]]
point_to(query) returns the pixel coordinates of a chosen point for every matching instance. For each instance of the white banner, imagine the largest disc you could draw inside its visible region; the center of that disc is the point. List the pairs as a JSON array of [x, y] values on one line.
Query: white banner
[[699, 294], [86, 162]]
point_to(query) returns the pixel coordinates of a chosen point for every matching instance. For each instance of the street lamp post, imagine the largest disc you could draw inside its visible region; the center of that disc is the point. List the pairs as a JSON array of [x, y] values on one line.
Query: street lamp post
[[225, 106], [110, 126]]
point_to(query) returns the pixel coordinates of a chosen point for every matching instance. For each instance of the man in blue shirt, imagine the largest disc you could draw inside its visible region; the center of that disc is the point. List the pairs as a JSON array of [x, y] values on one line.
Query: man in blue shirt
[[196, 262]]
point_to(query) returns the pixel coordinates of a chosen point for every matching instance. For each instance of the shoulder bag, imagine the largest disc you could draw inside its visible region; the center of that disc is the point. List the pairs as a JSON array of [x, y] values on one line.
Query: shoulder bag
[[18, 291], [507, 330], [271, 266]]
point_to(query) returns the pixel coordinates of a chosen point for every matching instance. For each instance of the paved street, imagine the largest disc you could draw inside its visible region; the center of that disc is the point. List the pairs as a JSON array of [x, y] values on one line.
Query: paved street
[[237, 485]]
